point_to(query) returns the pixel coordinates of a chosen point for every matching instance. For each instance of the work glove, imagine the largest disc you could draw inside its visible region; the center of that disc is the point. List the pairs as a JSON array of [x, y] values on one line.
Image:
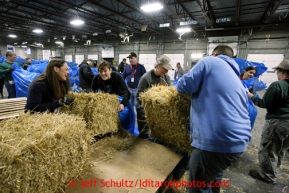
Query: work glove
[[66, 101], [10, 69]]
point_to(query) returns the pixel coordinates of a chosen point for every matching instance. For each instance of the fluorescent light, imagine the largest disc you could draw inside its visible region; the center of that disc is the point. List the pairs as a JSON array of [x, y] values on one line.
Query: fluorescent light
[[37, 31], [197, 55], [77, 22], [58, 42], [184, 29], [23, 46], [39, 44], [151, 7], [165, 25], [12, 36]]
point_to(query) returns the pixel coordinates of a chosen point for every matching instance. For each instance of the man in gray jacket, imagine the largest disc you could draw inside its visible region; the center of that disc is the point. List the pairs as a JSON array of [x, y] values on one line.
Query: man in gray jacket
[[179, 72]]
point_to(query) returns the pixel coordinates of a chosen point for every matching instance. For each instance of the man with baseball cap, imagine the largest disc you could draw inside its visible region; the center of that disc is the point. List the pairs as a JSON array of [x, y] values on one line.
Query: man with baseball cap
[[132, 74], [157, 76], [275, 134]]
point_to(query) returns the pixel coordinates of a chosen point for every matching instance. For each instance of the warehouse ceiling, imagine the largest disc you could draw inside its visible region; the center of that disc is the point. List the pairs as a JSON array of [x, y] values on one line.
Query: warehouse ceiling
[[110, 20]]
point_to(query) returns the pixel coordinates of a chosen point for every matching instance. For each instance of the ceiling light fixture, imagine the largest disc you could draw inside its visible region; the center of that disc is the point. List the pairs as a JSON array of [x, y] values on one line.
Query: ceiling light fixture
[[58, 42], [186, 29], [151, 7], [12, 36], [77, 22], [38, 44], [38, 31]]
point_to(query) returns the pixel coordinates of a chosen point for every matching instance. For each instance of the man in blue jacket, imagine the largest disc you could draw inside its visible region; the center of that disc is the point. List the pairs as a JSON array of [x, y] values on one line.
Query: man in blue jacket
[[219, 122]]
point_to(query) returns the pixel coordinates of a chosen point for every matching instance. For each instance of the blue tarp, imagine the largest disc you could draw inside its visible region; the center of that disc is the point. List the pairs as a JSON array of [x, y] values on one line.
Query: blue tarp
[[127, 117], [22, 79]]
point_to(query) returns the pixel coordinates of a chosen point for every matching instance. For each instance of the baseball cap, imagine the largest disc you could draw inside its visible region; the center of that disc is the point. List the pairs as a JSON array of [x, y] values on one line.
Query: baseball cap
[[164, 62], [284, 65], [132, 54]]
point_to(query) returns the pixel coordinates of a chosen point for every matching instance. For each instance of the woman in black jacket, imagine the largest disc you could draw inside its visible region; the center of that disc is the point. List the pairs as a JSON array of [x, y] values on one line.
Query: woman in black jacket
[[47, 92], [110, 82]]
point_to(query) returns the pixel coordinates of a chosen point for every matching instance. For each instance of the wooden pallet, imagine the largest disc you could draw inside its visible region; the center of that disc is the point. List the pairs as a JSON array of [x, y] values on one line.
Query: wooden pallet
[[12, 107]]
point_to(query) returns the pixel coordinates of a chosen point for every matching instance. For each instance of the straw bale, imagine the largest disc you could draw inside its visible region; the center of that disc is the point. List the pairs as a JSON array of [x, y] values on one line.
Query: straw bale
[[42, 152], [99, 110], [167, 115]]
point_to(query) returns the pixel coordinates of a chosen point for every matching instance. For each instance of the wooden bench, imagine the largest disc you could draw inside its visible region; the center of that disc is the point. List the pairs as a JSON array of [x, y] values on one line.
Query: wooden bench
[[12, 107]]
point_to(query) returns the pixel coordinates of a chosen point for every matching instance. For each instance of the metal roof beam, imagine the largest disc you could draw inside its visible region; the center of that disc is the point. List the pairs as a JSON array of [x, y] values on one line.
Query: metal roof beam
[[207, 8], [238, 4]]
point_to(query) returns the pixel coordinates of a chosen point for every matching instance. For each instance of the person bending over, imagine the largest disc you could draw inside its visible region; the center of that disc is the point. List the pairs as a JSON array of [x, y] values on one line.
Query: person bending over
[[110, 82]]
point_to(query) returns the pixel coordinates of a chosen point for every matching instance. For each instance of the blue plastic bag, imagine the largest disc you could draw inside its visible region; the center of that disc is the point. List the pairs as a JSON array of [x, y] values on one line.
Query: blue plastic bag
[[19, 60], [260, 68], [74, 72], [243, 64], [22, 79], [94, 71], [258, 84], [175, 82], [38, 68], [127, 117]]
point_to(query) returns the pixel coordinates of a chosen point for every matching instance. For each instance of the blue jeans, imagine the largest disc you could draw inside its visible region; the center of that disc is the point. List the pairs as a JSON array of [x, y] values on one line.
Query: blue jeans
[[206, 168], [133, 101], [10, 89]]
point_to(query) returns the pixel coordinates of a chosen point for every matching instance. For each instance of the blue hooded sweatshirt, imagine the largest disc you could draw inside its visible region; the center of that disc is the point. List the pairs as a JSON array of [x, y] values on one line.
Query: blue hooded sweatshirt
[[219, 120]]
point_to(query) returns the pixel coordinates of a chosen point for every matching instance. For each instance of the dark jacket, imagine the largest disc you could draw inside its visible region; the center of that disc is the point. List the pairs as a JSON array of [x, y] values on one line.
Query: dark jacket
[[121, 67], [275, 100], [139, 70], [4, 70], [85, 75], [115, 85], [40, 97]]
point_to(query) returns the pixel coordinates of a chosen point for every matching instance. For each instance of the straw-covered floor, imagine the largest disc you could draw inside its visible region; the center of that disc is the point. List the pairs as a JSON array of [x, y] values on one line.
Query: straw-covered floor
[[99, 110], [167, 115], [42, 152]]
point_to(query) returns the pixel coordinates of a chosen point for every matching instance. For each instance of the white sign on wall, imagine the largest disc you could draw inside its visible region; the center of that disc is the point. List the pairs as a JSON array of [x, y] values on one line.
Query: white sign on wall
[[27, 50], [10, 48]]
